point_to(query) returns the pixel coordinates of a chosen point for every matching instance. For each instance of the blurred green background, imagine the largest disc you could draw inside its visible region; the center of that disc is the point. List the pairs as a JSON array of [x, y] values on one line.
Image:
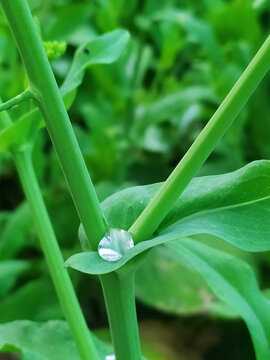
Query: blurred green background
[[134, 120]]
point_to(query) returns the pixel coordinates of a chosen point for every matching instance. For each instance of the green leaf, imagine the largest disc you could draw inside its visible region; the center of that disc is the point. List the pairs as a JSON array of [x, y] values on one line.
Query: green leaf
[[22, 303], [103, 50], [234, 207], [234, 282], [13, 235], [231, 206], [10, 270], [184, 292], [43, 341]]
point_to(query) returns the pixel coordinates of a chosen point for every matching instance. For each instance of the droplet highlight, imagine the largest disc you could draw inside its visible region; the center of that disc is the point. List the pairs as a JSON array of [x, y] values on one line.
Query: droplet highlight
[[110, 357], [114, 245]]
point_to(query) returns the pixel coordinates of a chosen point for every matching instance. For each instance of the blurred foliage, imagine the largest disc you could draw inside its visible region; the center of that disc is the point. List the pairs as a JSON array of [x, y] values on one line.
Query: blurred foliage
[[134, 120]]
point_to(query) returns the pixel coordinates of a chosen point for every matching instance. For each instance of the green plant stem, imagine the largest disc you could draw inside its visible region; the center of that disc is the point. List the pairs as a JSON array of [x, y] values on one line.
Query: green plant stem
[[163, 201], [120, 303], [24, 96], [47, 95], [46, 92], [61, 280]]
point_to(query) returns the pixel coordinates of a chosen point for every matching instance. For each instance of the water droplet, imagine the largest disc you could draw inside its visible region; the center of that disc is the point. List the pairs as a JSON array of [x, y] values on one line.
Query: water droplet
[[114, 245], [110, 357]]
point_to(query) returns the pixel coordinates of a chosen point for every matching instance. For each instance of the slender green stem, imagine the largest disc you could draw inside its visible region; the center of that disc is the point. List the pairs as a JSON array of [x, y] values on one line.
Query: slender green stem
[[53, 257], [120, 303], [24, 96], [163, 201], [49, 100], [63, 285]]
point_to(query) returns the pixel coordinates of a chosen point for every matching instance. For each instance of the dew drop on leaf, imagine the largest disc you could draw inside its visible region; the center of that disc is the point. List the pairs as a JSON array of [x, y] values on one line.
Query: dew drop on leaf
[[114, 245]]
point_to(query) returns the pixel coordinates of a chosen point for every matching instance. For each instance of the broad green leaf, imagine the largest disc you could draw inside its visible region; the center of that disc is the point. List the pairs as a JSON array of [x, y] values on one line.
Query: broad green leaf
[[22, 303], [43, 341], [234, 207], [206, 205], [202, 193], [103, 50], [233, 281], [10, 270], [184, 292]]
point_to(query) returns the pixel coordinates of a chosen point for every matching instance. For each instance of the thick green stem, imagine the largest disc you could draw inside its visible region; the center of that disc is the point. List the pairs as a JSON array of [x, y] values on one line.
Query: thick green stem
[[120, 303], [54, 258], [46, 92], [163, 201]]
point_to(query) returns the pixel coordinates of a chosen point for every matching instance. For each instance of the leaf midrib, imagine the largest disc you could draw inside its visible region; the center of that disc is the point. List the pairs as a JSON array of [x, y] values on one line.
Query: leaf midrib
[[207, 211]]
